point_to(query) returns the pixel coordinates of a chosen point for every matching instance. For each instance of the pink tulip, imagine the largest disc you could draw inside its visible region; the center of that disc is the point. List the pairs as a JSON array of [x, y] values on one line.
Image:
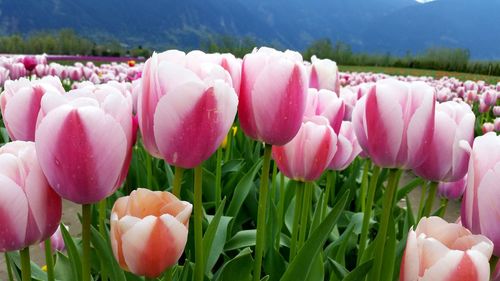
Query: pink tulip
[[42, 70], [347, 148], [4, 75], [479, 206], [489, 97], [20, 103], [273, 95], [487, 127], [325, 103], [441, 251], [85, 142], [446, 159], [483, 108], [184, 117], [394, 123], [324, 75], [56, 241], [29, 62], [308, 154], [496, 124], [452, 190], [17, 71], [149, 231], [496, 110], [30, 210]]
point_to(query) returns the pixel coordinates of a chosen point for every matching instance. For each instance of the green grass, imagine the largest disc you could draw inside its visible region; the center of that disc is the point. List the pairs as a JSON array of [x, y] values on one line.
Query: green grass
[[420, 72]]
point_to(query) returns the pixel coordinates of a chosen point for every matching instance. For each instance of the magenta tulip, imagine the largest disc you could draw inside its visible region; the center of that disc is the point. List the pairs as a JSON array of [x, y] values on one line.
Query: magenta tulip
[[441, 251], [20, 104], [479, 205], [273, 95], [347, 148], [325, 103], [452, 190], [184, 117], [29, 62], [324, 75], [446, 159], [84, 139], [394, 123], [308, 154], [30, 210]]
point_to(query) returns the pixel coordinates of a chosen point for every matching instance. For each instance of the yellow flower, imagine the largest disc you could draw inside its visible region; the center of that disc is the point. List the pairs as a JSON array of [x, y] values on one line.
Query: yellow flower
[[224, 142], [44, 268]]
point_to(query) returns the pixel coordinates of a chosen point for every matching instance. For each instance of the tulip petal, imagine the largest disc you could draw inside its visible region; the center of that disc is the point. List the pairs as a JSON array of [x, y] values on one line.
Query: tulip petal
[[13, 215]]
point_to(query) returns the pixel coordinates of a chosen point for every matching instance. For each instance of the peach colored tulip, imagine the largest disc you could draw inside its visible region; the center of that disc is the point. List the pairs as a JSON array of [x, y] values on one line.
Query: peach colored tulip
[[30, 210], [149, 231], [441, 251]]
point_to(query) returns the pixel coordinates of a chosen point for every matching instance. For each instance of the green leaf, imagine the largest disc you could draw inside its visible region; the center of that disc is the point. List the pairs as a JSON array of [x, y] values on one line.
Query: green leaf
[[317, 272], [339, 272], [359, 272], [389, 252], [301, 265], [36, 272], [215, 237], [105, 254], [241, 191], [405, 190], [73, 253], [62, 268], [239, 268], [246, 238]]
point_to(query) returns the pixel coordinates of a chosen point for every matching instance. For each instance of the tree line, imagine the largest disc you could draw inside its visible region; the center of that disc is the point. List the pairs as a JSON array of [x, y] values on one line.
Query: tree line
[[67, 42]]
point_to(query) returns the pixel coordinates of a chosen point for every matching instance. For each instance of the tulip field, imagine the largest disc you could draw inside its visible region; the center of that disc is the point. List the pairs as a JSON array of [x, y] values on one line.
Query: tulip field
[[197, 166]]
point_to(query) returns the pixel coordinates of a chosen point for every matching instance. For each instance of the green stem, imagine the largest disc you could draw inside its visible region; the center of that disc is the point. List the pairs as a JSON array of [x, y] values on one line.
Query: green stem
[[422, 202], [387, 206], [149, 170], [261, 214], [198, 227], [228, 145], [168, 274], [49, 261], [493, 265], [218, 178], [444, 205], [86, 219], [368, 212], [25, 264], [9, 268], [364, 185], [273, 181], [281, 208], [306, 208], [176, 189], [102, 229], [299, 198], [330, 185], [430, 198]]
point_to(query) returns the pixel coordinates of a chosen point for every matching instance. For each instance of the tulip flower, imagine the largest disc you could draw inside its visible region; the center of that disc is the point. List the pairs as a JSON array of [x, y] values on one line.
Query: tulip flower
[[20, 104], [30, 210], [56, 241], [273, 95], [325, 103], [446, 159], [29, 62], [149, 231], [324, 75], [479, 206], [489, 97], [394, 123], [4, 75], [183, 117], [308, 154], [496, 110], [441, 251], [84, 139], [487, 127], [347, 148], [452, 190], [17, 71]]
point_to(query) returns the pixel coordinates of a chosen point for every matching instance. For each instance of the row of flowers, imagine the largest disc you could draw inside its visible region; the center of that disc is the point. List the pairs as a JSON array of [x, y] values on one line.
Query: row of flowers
[[78, 145]]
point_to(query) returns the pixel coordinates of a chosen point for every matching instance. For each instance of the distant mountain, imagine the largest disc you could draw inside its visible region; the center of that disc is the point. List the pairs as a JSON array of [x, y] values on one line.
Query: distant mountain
[[395, 26]]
